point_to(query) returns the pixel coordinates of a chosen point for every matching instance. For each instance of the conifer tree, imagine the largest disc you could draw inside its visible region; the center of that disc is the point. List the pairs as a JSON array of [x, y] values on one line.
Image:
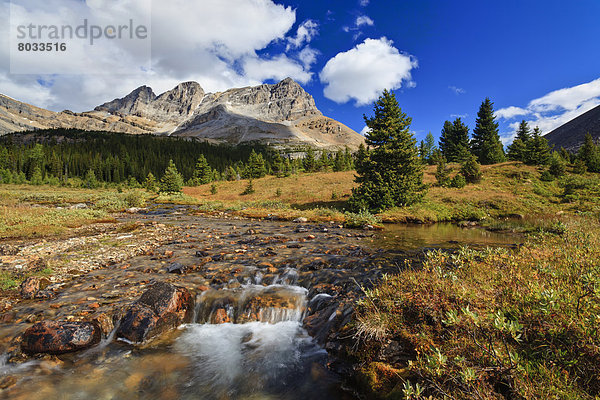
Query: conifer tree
[[324, 161], [150, 182], [517, 151], [256, 166], [471, 170], [309, 163], [590, 154], [90, 181], [442, 173], [348, 159], [36, 177], [339, 163], [426, 149], [454, 141], [486, 143], [171, 182], [537, 149], [203, 173], [390, 172]]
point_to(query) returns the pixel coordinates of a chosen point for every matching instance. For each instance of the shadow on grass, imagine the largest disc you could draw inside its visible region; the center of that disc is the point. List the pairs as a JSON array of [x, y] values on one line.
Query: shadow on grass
[[338, 205]]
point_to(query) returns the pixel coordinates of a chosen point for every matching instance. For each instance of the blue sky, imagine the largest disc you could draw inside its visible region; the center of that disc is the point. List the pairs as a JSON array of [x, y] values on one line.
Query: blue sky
[[512, 51], [537, 60]]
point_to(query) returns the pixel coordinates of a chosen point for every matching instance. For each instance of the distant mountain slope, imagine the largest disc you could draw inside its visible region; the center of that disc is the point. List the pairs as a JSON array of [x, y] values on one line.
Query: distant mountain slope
[[277, 114], [572, 134]]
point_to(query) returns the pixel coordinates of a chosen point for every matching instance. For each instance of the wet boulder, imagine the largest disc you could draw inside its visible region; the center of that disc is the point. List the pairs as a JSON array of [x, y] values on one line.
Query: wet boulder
[[54, 337], [161, 308]]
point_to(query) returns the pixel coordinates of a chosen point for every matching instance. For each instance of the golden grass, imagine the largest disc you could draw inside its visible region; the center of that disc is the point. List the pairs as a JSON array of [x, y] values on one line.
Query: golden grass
[[506, 189]]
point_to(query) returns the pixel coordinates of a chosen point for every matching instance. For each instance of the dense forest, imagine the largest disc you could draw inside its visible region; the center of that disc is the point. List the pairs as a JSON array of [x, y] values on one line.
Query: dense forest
[[70, 156]]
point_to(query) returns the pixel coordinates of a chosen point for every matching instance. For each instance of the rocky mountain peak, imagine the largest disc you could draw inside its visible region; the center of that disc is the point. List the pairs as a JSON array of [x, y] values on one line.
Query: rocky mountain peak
[[130, 104]]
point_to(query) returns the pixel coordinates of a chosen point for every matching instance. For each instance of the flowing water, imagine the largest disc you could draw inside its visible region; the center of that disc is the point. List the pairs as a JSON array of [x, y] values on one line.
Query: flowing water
[[261, 351], [247, 339]]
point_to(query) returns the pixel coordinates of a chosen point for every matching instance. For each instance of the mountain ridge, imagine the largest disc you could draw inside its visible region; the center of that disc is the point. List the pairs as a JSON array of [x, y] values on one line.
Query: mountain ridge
[[571, 135], [280, 114]]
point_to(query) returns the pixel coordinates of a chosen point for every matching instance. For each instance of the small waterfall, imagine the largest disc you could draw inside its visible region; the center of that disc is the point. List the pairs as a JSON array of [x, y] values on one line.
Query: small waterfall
[[252, 303], [250, 340]]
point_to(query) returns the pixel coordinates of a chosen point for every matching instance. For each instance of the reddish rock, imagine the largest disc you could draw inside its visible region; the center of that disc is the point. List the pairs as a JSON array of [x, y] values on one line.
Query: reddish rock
[[220, 317], [60, 337], [30, 287], [159, 309]]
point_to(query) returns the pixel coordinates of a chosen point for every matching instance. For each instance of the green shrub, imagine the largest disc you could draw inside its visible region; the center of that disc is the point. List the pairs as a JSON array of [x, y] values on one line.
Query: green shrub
[[546, 176], [361, 219], [471, 170], [458, 181]]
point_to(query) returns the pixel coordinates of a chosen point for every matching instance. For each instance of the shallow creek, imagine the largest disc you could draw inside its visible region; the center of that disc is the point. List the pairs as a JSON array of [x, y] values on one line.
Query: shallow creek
[[255, 283]]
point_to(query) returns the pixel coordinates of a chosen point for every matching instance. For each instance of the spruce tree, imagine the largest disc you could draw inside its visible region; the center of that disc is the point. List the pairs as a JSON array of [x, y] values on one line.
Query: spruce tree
[[348, 159], [309, 163], [150, 182], [454, 141], [537, 149], [590, 154], [338, 161], [256, 166], [486, 143], [426, 148], [517, 151], [171, 182], [442, 173], [203, 173], [324, 161], [471, 170], [390, 172]]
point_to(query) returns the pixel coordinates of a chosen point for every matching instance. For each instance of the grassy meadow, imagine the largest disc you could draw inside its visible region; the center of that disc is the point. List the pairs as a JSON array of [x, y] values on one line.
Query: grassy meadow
[[510, 189]]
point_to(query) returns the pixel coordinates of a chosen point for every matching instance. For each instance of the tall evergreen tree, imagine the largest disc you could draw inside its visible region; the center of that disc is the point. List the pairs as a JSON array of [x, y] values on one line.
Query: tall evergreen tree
[[590, 154], [150, 182], [537, 149], [171, 182], [309, 163], [256, 166], [390, 172], [426, 148], [324, 161], [486, 144], [517, 151], [454, 141], [203, 173]]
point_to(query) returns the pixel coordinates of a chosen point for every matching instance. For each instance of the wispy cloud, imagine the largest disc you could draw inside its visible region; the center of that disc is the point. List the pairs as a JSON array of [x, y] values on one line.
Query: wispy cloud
[[457, 90], [364, 3], [360, 21], [459, 115], [305, 33]]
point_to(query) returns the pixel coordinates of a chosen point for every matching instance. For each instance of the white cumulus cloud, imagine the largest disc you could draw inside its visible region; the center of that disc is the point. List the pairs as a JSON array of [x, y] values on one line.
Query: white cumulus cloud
[[361, 73], [213, 42]]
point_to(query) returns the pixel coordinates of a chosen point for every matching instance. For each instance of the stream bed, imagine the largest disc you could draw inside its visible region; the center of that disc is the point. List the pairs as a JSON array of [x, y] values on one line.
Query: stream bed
[[255, 284]]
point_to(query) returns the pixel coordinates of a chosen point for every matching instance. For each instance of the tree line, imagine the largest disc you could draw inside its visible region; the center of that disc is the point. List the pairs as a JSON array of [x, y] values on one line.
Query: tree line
[[390, 168], [75, 157]]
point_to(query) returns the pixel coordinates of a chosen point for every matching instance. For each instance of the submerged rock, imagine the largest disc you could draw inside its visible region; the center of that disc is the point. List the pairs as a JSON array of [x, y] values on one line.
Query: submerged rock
[[60, 337], [159, 309]]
